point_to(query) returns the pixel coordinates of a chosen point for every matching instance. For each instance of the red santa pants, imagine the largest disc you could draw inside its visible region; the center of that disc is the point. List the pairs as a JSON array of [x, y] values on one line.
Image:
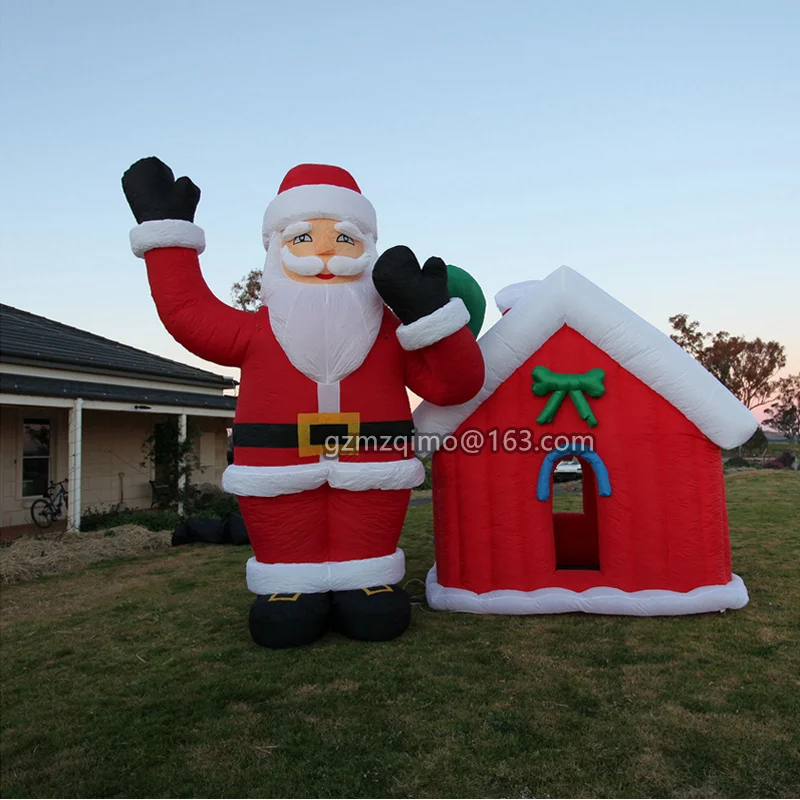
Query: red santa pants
[[325, 524]]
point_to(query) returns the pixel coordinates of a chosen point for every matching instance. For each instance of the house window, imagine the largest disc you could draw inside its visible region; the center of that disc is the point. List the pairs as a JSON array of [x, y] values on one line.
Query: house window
[[36, 453]]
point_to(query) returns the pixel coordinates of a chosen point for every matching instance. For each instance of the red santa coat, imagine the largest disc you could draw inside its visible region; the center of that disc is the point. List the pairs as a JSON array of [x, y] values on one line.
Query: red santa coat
[[439, 360], [316, 523]]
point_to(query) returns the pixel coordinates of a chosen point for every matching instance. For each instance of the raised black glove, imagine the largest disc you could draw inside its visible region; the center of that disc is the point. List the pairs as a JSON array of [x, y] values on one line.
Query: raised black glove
[[409, 291], [153, 193]]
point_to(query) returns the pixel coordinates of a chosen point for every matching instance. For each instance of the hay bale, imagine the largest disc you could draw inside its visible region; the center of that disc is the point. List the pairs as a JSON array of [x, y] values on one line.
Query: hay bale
[[28, 557]]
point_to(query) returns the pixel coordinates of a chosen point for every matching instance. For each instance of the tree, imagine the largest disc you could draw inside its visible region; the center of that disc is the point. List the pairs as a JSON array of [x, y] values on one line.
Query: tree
[[756, 444], [246, 293], [745, 367], [783, 415]]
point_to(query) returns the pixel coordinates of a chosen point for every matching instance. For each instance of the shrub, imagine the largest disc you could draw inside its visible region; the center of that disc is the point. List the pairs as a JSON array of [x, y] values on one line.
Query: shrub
[[207, 504], [428, 484], [215, 504], [152, 520], [738, 461]]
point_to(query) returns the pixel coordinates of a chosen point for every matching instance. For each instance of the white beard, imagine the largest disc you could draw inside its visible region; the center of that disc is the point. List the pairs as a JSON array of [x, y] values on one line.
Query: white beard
[[325, 330]]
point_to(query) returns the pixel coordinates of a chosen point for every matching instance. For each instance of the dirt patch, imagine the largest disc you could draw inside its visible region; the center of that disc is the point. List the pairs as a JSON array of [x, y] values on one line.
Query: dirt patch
[[89, 589], [29, 557]]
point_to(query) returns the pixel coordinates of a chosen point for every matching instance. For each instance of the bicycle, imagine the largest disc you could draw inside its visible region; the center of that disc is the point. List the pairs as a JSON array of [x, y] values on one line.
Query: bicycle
[[49, 507]]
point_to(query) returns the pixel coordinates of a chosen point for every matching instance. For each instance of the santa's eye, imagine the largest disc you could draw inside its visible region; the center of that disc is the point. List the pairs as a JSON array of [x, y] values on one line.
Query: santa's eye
[[303, 237], [343, 237]]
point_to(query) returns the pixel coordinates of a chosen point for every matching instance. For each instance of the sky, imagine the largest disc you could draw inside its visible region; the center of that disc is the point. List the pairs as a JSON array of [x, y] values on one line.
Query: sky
[[652, 146]]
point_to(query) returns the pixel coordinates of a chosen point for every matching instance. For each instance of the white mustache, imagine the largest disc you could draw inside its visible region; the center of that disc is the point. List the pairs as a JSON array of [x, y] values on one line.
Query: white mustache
[[313, 265]]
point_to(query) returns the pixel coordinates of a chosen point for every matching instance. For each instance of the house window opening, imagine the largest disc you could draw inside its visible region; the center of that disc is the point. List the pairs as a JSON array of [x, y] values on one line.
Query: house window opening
[[575, 516], [36, 451]]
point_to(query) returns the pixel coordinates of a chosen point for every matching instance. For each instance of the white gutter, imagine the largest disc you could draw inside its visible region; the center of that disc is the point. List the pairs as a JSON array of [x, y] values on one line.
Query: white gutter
[[106, 405]]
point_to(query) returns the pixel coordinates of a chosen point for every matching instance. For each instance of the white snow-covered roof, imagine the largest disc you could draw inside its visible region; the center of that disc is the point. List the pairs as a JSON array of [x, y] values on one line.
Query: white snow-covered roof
[[510, 295], [566, 297]]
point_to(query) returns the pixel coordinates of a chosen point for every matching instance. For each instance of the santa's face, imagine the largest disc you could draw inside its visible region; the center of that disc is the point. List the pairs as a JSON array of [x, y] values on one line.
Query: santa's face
[[324, 245], [323, 306]]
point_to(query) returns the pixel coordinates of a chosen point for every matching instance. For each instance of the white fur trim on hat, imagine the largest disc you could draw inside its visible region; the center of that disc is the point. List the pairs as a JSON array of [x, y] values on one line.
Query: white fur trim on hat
[[319, 201], [166, 233], [325, 576], [353, 476], [434, 327]]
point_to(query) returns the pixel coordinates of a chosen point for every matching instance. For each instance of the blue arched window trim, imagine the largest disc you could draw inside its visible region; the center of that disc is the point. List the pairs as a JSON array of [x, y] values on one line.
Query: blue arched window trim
[[587, 454]]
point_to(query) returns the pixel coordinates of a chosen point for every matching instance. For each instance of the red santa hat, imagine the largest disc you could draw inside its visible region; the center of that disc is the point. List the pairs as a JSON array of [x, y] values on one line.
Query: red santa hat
[[318, 191]]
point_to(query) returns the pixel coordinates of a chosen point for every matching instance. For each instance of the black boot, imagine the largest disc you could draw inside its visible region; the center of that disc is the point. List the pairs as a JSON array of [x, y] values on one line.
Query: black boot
[[375, 614], [289, 620]]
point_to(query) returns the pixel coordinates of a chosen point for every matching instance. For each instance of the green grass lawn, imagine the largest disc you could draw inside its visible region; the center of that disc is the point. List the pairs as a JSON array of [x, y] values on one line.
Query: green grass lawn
[[138, 678]]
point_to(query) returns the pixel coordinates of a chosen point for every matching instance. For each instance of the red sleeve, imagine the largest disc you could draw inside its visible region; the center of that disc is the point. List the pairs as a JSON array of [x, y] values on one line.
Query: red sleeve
[[447, 372], [197, 319]]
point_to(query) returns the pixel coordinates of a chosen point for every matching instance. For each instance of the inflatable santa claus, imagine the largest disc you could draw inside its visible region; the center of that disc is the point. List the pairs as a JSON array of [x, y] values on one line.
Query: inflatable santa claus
[[323, 446]]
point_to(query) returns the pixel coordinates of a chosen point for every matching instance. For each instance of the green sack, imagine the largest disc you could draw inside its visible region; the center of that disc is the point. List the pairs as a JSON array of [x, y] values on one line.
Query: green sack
[[461, 284]]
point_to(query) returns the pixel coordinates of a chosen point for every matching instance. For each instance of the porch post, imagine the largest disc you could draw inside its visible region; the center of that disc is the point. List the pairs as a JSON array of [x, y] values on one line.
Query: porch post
[[181, 475], [74, 473]]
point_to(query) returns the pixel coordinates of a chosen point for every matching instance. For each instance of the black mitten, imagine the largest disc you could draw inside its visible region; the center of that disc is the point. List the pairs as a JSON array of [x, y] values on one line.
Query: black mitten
[[153, 193], [409, 291]]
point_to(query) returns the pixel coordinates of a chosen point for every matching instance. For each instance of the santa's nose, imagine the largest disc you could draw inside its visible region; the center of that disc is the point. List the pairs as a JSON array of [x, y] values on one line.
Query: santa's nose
[[324, 245]]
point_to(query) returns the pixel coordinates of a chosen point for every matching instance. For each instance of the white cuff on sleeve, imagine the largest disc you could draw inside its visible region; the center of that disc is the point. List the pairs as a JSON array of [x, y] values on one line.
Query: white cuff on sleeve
[[166, 233], [434, 327]]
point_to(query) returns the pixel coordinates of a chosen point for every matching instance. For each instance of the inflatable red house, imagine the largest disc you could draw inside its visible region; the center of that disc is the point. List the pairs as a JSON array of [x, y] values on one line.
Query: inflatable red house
[[573, 373]]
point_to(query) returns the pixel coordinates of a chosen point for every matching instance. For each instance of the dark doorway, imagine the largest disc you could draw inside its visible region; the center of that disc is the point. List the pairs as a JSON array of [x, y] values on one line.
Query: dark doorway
[[165, 454], [575, 531]]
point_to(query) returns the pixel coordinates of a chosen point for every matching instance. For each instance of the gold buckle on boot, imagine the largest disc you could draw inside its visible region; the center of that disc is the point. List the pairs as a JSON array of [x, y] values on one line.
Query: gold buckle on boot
[[377, 590], [289, 598]]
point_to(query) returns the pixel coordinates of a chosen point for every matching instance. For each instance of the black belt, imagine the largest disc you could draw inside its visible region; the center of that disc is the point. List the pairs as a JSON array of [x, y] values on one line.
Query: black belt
[[284, 434]]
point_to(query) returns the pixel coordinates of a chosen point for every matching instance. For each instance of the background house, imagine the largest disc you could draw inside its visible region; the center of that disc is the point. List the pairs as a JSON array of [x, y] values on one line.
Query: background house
[[76, 405]]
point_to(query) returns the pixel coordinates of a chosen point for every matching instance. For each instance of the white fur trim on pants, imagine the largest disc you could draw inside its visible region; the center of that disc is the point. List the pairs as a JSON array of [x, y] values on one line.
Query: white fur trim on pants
[[326, 576], [352, 476], [166, 233], [428, 330], [597, 600], [318, 201]]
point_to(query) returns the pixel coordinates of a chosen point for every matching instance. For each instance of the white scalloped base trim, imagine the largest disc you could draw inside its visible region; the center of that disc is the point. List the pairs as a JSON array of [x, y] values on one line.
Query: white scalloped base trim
[[597, 600], [326, 576], [166, 233]]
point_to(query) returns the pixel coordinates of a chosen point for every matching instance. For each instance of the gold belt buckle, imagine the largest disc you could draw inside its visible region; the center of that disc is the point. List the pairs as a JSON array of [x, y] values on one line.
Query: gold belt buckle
[[350, 448]]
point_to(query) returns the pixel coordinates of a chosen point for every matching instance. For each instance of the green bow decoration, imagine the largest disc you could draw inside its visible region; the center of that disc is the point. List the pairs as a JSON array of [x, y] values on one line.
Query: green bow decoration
[[562, 384]]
